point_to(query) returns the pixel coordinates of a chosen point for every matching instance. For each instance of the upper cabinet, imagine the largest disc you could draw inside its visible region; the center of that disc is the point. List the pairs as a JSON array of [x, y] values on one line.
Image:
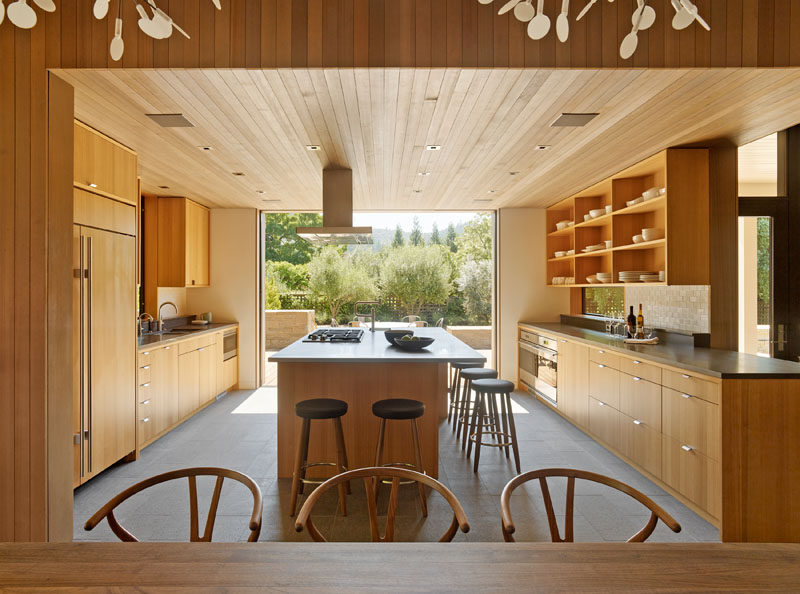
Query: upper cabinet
[[183, 243], [104, 166], [596, 234]]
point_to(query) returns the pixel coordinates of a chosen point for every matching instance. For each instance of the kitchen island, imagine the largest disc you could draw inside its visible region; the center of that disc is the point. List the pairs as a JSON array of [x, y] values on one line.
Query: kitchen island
[[361, 373]]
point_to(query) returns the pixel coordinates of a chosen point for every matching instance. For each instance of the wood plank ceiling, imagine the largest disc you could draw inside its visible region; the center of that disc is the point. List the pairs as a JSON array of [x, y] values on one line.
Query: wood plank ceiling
[[378, 121]]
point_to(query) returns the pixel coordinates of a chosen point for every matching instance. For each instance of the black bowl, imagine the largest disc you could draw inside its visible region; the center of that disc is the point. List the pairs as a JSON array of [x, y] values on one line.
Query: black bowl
[[418, 344], [392, 334]]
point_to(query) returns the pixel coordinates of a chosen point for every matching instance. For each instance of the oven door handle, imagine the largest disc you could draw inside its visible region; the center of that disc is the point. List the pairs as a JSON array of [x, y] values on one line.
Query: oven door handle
[[537, 350]]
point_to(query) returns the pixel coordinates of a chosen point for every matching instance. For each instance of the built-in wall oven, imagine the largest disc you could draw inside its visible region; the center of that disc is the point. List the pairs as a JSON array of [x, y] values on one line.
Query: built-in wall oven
[[538, 365], [230, 344]]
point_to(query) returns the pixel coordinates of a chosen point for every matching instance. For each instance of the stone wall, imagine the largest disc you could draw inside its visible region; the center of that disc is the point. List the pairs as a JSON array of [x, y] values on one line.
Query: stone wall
[[478, 337], [284, 326]]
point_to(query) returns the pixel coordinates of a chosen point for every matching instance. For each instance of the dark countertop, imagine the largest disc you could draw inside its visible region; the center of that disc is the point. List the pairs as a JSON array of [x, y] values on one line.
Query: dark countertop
[[711, 362], [151, 340]]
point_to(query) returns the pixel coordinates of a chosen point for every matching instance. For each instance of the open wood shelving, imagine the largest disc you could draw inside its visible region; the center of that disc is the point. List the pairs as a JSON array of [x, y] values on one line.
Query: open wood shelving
[[682, 212]]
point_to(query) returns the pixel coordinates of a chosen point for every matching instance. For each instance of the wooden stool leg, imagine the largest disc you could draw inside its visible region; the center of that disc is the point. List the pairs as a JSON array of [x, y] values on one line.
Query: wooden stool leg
[[299, 460], [513, 431], [504, 417], [454, 402], [376, 483], [479, 406], [494, 425], [418, 455], [461, 410], [341, 450], [468, 419]]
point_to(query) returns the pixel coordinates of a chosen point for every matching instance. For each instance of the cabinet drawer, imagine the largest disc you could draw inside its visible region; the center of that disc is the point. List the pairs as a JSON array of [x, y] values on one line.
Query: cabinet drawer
[[604, 357], [147, 427], [144, 400], [692, 421], [604, 383], [206, 340], [692, 474], [639, 368], [641, 443], [188, 345], [604, 422], [640, 399], [144, 375], [144, 358], [691, 384]]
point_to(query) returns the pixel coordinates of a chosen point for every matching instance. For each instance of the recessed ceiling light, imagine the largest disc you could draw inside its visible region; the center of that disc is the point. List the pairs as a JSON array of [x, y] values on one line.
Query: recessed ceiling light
[[542, 147], [205, 148], [433, 147], [424, 173], [312, 147], [238, 173], [164, 187], [573, 119], [492, 191]]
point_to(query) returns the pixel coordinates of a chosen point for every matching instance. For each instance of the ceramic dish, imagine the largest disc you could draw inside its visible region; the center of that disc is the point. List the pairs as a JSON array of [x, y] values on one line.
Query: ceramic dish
[[586, 217], [634, 201], [597, 212], [592, 280], [560, 254], [609, 244], [392, 334], [638, 239], [609, 209], [652, 234], [651, 193], [561, 225], [570, 252], [416, 343]]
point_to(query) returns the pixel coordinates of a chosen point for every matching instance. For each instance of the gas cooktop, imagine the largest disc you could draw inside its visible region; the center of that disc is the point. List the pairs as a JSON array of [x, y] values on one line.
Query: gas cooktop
[[335, 335]]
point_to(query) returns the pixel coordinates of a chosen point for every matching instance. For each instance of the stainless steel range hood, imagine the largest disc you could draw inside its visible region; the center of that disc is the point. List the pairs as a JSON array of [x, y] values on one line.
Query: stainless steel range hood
[[337, 213]]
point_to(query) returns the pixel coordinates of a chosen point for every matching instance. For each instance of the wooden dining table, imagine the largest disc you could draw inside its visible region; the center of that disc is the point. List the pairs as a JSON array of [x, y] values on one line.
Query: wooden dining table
[[340, 567]]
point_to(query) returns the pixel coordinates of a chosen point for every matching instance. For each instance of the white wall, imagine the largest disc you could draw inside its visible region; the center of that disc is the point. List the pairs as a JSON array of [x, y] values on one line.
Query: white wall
[[522, 294], [233, 294]]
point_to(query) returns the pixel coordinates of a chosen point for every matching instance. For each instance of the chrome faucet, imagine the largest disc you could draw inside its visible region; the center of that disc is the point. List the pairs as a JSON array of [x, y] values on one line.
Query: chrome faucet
[[371, 314], [145, 317], [160, 318]]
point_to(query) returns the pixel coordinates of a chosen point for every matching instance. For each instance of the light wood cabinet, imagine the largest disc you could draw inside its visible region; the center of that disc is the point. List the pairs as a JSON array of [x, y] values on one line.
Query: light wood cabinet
[[573, 381], [641, 443], [693, 474], [692, 421], [207, 373], [231, 372], [604, 422], [640, 399], [604, 383], [183, 243], [104, 166], [188, 383]]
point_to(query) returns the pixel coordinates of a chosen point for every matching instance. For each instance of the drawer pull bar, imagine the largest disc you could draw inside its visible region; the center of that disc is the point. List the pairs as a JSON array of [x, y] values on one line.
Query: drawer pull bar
[[685, 376], [167, 348], [145, 367], [687, 396], [146, 420], [146, 353], [686, 448], [602, 352], [601, 403], [145, 401], [635, 362], [201, 349], [601, 366], [145, 385], [637, 422], [637, 379]]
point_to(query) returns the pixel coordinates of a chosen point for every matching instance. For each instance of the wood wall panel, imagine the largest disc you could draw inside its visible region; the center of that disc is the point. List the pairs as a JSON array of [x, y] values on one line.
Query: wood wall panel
[[275, 33]]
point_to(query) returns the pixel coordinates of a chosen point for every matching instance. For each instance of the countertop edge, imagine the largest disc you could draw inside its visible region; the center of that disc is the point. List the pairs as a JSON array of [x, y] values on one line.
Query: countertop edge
[[188, 336], [622, 350]]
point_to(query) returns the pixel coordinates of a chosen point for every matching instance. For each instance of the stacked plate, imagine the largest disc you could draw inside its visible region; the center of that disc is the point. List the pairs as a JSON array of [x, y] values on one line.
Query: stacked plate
[[594, 248], [650, 278], [604, 277], [634, 276]]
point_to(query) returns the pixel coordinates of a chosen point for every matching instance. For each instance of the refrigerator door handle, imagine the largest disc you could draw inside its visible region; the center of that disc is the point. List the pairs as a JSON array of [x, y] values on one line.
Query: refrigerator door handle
[[81, 276], [89, 281]]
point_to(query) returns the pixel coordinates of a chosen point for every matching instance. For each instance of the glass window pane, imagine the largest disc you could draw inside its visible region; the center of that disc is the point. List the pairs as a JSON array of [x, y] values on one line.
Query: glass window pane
[[755, 285], [758, 167], [604, 301]]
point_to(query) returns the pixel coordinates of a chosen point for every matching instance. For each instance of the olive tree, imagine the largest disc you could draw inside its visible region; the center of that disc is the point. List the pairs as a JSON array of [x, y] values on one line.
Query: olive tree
[[416, 275], [475, 284], [337, 279]]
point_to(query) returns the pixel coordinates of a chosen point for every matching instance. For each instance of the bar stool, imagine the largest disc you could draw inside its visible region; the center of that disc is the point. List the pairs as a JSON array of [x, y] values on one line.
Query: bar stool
[[486, 390], [308, 410], [466, 404], [401, 409], [455, 387]]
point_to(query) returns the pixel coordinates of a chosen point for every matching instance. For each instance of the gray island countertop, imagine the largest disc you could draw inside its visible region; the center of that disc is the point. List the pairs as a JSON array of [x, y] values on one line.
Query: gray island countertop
[[374, 348]]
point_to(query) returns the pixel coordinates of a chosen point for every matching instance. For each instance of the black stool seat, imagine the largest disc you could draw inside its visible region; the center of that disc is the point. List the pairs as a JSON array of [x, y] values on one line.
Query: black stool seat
[[476, 373], [492, 386], [398, 408], [462, 365], [320, 408]]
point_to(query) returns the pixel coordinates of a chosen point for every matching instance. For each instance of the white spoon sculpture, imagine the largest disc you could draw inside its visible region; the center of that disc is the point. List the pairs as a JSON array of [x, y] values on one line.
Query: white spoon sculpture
[[2, 11], [508, 6], [46, 5], [562, 22], [100, 9], [22, 15], [648, 15], [524, 11], [631, 40], [540, 24]]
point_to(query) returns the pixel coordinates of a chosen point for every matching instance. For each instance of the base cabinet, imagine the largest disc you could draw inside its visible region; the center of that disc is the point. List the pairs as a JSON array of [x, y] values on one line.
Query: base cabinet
[[693, 474], [641, 443], [188, 383], [604, 422], [573, 382]]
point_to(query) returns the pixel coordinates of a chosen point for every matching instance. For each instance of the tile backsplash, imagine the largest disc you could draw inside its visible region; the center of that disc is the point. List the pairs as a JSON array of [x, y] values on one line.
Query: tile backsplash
[[684, 307]]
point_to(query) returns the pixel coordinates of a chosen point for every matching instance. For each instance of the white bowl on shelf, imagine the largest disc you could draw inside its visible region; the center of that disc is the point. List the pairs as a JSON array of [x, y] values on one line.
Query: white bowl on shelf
[[597, 212], [662, 191], [586, 217], [560, 254], [609, 244], [570, 252], [651, 193], [652, 234], [609, 209], [570, 224], [592, 280], [634, 202], [561, 225], [569, 280], [638, 238]]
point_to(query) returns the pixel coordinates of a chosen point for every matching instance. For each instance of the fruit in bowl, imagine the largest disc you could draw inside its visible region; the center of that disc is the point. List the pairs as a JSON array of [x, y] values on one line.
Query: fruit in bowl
[[412, 343]]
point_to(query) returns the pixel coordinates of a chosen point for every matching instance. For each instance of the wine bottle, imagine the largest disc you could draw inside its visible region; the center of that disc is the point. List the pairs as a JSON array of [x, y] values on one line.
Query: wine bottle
[[631, 324], [640, 324]]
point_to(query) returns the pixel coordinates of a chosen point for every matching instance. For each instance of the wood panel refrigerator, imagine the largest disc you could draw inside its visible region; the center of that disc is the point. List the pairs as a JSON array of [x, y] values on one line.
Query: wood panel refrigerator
[[104, 337]]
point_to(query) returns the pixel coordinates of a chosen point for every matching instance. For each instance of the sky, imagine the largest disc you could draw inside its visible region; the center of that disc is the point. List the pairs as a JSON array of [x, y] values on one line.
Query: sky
[[390, 220]]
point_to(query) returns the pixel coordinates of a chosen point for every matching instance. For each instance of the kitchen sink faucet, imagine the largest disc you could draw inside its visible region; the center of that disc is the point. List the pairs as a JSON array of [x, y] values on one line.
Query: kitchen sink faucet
[[370, 315], [160, 318]]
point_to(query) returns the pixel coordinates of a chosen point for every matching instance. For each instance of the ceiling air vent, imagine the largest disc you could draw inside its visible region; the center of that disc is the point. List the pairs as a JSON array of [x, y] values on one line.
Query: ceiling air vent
[[170, 120], [573, 119]]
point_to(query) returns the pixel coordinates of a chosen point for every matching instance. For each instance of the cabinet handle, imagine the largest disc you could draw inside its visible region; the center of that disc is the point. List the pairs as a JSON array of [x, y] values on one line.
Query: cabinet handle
[[145, 401], [601, 366], [145, 367], [145, 385], [602, 352], [635, 362], [686, 448], [167, 348], [685, 376], [601, 403], [201, 349], [637, 422], [687, 396], [146, 353], [637, 379], [146, 420]]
